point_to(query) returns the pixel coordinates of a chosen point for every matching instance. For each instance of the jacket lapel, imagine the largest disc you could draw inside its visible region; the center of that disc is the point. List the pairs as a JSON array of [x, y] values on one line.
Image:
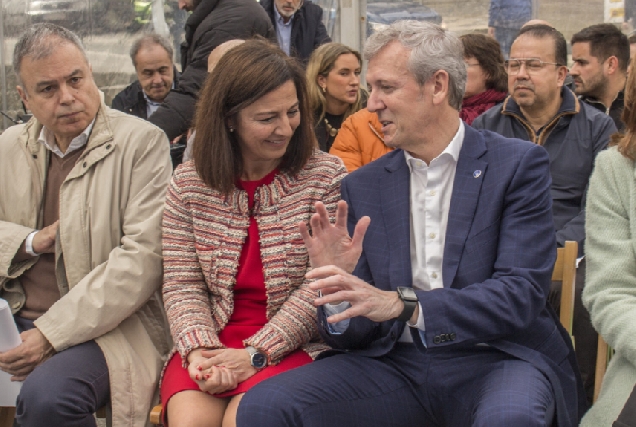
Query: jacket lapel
[[395, 206], [469, 177]]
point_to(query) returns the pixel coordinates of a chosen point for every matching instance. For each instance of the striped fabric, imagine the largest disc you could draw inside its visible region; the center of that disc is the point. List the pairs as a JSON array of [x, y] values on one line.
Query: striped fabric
[[203, 234]]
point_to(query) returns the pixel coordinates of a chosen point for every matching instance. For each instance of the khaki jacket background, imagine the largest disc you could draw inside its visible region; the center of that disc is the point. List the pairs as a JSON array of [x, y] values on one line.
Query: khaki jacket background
[[111, 206]]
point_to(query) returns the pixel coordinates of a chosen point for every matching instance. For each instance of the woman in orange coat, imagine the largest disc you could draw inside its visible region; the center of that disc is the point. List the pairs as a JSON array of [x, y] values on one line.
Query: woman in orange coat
[[360, 140]]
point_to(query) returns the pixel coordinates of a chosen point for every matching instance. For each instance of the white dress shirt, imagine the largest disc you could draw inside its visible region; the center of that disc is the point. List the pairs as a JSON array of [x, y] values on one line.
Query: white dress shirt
[[431, 187], [48, 139]]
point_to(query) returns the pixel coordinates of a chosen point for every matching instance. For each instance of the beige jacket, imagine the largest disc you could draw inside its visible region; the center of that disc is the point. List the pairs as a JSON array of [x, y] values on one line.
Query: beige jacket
[[111, 205]]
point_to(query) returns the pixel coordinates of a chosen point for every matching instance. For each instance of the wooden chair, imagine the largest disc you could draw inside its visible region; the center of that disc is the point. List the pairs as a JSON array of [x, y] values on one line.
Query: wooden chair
[[565, 272], [7, 414], [603, 357], [155, 415]]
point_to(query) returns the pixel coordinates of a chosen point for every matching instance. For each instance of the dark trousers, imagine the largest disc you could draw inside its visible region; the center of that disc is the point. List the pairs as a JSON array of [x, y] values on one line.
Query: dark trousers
[[585, 336], [66, 389], [505, 37], [477, 387]]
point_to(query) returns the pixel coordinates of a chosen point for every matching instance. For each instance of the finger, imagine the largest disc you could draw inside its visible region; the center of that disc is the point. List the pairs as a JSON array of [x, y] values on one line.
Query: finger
[[316, 224], [341, 214], [347, 314], [360, 231], [336, 298], [304, 233], [324, 272], [323, 215]]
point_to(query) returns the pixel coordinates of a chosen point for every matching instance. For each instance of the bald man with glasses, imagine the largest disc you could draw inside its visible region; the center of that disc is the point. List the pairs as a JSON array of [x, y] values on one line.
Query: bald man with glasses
[[542, 110]]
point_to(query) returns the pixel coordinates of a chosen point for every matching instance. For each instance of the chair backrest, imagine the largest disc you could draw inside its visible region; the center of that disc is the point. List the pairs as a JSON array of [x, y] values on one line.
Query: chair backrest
[[565, 272]]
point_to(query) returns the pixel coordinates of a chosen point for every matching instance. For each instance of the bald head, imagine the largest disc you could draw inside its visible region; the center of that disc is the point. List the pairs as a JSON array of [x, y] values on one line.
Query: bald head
[[537, 22], [219, 51]]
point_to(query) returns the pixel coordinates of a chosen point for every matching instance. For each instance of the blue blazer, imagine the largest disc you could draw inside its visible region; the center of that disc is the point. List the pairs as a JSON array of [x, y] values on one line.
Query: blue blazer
[[498, 258]]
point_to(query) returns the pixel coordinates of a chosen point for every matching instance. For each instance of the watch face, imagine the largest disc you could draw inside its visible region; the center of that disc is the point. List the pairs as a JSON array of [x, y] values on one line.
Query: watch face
[[259, 360], [407, 294]]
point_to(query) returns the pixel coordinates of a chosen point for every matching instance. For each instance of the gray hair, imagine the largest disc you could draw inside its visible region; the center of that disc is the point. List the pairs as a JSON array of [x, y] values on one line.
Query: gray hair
[[39, 42], [148, 40], [432, 49]]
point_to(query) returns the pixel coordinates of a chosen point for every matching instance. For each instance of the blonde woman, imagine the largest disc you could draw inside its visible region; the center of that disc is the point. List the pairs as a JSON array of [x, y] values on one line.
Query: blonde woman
[[333, 80]]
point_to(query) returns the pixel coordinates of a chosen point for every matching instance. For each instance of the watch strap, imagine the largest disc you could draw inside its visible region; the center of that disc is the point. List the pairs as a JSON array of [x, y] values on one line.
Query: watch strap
[[409, 307]]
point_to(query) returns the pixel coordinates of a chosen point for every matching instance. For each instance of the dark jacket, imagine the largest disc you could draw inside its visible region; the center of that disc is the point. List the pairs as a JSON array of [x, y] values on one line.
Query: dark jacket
[[614, 111], [572, 139], [131, 100], [212, 23], [308, 32]]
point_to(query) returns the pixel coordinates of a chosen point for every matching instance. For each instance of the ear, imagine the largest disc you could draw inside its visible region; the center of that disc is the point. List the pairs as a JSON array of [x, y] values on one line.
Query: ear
[[611, 65], [322, 82], [562, 73], [23, 96], [441, 83], [231, 122]]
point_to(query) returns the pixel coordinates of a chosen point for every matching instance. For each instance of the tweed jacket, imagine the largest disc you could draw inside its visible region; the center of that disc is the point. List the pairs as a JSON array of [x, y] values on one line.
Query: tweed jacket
[[203, 235], [610, 285], [110, 214]]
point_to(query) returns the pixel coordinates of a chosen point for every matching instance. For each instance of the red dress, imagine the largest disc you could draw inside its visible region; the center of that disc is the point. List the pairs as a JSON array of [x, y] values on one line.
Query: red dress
[[248, 317]]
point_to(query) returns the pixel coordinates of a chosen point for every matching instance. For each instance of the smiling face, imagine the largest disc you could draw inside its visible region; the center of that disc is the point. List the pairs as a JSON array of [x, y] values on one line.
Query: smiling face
[[342, 84], [587, 72], [60, 91], [287, 8], [154, 71], [534, 90], [264, 129], [403, 106]]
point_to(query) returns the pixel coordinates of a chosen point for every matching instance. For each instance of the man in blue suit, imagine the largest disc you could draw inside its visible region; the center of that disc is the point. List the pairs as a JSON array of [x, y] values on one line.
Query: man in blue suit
[[437, 315]]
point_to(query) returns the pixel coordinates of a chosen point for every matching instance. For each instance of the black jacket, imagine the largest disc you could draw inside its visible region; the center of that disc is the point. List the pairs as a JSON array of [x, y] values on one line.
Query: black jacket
[[212, 23], [573, 138], [131, 100], [308, 32], [614, 111]]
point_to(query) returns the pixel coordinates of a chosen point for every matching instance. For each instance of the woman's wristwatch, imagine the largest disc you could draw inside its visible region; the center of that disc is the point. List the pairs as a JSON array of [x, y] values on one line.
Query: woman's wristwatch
[[257, 359]]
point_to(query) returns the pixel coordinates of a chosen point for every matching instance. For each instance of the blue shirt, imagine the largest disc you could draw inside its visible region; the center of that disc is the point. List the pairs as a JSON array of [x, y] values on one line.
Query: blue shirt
[[283, 31]]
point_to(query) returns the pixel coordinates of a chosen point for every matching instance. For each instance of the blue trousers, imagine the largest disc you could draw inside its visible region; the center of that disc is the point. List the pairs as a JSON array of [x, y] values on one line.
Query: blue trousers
[[476, 387], [66, 389], [505, 37]]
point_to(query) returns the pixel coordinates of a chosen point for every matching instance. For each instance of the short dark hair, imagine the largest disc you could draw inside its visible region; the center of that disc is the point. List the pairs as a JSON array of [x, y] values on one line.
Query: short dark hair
[[605, 40], [148, 40], [247, 73], [487, 51], [541, 31]]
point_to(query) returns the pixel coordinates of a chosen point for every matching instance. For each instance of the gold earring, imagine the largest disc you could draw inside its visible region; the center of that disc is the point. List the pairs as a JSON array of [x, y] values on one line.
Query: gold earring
[[324, 89]]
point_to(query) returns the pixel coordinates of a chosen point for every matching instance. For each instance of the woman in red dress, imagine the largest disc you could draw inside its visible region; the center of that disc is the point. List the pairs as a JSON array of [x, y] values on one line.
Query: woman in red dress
[[234, 286]]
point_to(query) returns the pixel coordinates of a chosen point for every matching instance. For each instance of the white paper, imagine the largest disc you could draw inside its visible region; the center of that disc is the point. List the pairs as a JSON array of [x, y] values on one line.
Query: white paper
[[9, 338]]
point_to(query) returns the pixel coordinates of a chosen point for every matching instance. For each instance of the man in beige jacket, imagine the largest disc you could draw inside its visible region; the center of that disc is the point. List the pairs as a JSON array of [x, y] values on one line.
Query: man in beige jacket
[[81, 197]]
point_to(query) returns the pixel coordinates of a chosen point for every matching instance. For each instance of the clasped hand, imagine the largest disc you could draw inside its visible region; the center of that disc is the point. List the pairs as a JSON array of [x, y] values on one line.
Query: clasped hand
[[217, 371], [22, 360]]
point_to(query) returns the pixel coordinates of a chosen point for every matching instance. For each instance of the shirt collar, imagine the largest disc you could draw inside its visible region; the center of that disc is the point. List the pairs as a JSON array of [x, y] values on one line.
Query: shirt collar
[[452, 150], [279, 18], [48, 139], [150, 101]]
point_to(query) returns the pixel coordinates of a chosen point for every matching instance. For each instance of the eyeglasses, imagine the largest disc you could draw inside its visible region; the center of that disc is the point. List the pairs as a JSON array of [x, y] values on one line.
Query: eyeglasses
[[533, 65]]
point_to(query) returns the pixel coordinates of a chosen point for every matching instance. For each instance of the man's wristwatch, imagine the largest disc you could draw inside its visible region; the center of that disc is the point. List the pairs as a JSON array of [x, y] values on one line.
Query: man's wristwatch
[[257, 359], [408, 297]]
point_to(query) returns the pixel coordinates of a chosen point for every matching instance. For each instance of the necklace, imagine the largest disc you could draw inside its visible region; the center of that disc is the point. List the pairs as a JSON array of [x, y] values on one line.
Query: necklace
[[332, 131]]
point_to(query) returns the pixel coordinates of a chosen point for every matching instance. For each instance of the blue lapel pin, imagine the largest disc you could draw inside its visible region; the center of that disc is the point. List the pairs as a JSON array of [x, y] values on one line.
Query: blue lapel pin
[[477, 174]]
